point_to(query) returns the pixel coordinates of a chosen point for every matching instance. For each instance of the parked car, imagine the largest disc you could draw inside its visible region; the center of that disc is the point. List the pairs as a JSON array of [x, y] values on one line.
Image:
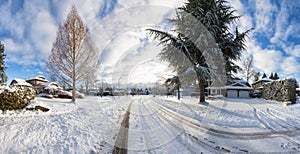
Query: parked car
[[65, 94]]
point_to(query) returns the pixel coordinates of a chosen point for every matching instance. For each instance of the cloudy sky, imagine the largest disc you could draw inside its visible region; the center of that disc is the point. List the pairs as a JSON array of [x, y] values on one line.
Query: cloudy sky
[[28, 29]]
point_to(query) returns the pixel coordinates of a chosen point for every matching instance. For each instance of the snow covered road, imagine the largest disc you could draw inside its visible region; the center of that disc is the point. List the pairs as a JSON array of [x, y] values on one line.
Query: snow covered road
[[153, 131], [155, 125]]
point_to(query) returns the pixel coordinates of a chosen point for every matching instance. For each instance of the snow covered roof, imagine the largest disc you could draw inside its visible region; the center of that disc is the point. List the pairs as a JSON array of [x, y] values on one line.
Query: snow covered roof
[[238, 88], [40, 78], [263, 80], [52, 86], [20, 82]]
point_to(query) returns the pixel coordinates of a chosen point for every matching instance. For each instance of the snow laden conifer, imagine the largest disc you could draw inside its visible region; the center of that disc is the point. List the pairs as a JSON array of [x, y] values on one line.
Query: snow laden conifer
[[202, 34], [73, 55], [2, 65]]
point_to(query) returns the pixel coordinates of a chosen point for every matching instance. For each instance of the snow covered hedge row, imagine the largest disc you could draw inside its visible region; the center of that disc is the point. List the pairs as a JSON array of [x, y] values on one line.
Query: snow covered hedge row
[[282, 90], [15, 97]]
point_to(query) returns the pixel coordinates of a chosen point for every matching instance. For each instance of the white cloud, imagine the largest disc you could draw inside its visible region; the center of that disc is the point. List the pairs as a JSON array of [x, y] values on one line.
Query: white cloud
[[293, 50], [290, 67], [265, 60], [264, 14], [43, 33], [89, 10]]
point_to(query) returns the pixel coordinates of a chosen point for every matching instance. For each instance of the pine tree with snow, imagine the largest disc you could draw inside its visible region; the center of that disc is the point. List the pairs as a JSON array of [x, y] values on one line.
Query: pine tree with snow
[[271, 76], [216, 17], [264, 76], [174, 82], [2, 65], [275, 77], [256, 76]]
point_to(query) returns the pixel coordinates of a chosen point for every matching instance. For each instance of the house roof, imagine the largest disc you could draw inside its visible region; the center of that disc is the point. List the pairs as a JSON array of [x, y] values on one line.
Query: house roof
[[263, 80], [40, 78], [238, 86], [234, 86], [51, 85], [21, 82]]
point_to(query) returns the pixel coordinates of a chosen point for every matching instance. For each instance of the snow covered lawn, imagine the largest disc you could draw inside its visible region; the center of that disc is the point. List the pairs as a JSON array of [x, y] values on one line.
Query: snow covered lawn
[[156, 125], [87, 126]]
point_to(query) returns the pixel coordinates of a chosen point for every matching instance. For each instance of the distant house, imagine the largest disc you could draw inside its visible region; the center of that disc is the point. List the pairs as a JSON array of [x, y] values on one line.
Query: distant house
[[259, 84], [51, 88], [238, 89], [20, 82], [38, 83], [189, 91]]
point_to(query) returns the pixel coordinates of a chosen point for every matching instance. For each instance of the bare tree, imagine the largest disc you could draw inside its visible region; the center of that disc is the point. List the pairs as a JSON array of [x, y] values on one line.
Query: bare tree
[[90, 78], [73, 54], [248, 68]]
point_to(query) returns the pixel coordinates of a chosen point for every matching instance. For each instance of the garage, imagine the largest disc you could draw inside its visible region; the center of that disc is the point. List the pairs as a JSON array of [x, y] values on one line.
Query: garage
[[244, 94], [238, 90], [232, 93]]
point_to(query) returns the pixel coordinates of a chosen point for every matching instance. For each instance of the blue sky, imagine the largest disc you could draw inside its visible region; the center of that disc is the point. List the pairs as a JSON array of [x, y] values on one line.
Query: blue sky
[[28, 29]]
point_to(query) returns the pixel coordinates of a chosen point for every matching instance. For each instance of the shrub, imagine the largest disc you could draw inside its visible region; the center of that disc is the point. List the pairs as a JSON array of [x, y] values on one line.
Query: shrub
[[15, 97]]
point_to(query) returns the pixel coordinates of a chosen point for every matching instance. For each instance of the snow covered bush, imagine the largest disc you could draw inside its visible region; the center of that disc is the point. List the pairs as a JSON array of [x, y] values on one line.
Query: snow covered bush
[[280, 90], [15, 97]]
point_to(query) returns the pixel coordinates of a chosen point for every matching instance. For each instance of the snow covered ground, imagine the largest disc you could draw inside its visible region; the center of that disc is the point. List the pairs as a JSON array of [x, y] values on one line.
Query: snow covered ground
[[156, 125]]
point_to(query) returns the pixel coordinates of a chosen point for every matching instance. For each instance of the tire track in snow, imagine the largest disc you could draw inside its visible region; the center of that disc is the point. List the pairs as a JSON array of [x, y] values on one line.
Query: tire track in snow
[[279, 114], [121, 143], [187, 121], [185, 138]]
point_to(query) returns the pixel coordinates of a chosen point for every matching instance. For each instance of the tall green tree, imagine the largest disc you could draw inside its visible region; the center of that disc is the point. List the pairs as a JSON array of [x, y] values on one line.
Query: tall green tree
[[2, 65], [271, 76], [174, 82], [275, 77], [217, 16]]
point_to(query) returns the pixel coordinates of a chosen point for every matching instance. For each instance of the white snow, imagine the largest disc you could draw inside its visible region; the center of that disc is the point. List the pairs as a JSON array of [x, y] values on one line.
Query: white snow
[[156, 125], [21, 82], [6, 88]]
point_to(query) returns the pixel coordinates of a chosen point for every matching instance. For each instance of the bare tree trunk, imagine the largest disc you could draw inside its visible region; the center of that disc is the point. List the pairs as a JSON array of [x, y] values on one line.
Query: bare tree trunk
[[74, 83], [178, 91], [202, 88]]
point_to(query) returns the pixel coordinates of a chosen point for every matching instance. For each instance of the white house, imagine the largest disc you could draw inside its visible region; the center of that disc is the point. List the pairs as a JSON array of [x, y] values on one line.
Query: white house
[[20, 82], [238, 90]]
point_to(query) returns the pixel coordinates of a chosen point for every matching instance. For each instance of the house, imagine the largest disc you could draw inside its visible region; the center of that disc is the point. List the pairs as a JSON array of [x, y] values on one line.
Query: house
[[189, 91], [260, 83], [37, 83], [20, 82], [238, 90], [51, 88]]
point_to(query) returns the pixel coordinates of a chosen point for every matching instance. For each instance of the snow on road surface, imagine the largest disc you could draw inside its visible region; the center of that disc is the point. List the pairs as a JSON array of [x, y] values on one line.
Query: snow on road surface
[[156, 125]]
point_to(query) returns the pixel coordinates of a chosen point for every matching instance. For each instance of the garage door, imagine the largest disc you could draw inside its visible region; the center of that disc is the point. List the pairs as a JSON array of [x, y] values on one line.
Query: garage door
[[244, 94], [231, 93]]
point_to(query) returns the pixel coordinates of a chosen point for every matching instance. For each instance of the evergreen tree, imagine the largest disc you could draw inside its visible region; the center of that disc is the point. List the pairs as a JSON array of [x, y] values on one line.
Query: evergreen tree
[[216, 16], [256, 76], [2, 65], [275, 77], [174, 81], [271, 76], [264, 75]]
